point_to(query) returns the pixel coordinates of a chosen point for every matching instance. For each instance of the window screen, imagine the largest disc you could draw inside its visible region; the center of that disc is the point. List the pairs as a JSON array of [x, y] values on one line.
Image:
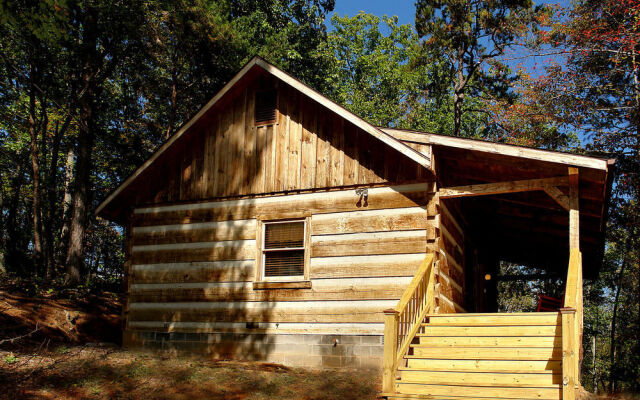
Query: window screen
[[265, 111], [283, 248]]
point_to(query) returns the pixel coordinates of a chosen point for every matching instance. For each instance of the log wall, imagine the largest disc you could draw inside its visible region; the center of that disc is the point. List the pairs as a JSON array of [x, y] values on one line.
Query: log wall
[[193, 265], [450, 270]]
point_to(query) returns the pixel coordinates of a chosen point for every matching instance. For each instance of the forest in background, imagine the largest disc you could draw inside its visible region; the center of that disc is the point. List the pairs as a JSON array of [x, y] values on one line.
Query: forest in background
[[88, 89]]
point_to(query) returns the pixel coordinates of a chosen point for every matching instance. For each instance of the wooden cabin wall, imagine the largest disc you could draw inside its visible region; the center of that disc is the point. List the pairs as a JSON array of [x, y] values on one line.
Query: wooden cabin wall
[[192, 265], [309, 147], [450, 276]]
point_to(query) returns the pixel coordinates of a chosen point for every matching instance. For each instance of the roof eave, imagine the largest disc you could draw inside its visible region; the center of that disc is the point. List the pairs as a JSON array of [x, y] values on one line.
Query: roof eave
[[575, 160]]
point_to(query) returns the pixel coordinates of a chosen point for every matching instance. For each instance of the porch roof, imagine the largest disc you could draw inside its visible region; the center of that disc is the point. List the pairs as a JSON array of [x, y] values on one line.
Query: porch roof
[[527, 227]]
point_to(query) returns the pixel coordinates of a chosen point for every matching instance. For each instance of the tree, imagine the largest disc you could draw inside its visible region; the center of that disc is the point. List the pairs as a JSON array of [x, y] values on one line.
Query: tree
[[529, 117], [375, 75], [593, 88], [106, 34], [29, 51], [472, 34], [194, 47], [112, 80]]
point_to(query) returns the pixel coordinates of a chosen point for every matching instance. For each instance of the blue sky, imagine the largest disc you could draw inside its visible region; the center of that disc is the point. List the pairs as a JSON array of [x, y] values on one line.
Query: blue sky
[[404, 9]]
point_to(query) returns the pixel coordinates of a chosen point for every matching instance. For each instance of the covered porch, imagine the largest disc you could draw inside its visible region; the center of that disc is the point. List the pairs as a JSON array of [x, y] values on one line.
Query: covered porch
[[445, 338]]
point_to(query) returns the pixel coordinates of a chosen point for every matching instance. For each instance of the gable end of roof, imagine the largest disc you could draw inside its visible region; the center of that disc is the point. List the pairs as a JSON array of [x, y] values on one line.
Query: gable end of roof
[[256, 61]]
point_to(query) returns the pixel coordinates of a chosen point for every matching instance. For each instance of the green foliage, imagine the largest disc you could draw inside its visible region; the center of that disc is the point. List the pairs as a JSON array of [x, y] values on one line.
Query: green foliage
[[151, 66], [373, 74], [10, 358], [521, 295], [380, 72], [593, 90], [469, 36]]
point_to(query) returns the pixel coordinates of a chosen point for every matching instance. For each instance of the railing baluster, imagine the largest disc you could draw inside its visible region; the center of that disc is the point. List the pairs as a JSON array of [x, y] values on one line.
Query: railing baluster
[[407, 319]]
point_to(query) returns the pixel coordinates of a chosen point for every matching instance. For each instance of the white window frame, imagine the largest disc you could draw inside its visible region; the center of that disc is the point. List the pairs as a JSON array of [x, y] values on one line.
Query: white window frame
[[305, 248]]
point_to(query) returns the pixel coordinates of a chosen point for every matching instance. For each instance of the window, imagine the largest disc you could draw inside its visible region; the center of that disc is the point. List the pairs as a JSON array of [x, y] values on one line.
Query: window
[[265, 107], [283, 250]]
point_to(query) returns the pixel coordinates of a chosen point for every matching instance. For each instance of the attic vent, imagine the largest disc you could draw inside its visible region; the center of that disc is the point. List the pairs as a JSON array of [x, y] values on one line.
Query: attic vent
[[283, 249], [265, 112]]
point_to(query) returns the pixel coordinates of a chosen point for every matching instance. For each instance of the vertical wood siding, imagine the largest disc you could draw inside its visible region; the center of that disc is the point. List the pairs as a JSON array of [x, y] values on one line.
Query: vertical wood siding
[[308, 147]]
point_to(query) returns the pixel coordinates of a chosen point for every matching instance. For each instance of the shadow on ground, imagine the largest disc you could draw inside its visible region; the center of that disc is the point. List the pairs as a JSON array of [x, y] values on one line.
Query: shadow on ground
[[84, 372]]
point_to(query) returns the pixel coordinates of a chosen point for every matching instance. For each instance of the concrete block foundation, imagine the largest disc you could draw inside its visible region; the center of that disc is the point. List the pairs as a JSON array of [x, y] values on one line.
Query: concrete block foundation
[[310, 350]]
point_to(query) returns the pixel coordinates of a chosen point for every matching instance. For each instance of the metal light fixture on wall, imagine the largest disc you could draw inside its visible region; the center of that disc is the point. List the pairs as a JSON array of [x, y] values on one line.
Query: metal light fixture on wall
[[363, 201]]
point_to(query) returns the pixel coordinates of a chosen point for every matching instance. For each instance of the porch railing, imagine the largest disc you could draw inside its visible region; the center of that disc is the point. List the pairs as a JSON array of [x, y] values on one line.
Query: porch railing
[[403, 322], [572, 326]]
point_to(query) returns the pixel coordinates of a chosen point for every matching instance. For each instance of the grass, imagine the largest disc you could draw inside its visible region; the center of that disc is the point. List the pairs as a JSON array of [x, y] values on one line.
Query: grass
[[79, 372]]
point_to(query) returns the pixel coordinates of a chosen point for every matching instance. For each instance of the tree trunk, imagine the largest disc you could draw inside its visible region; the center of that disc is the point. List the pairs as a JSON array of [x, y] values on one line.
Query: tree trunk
[[74, 262], [12, 243], [612, 350], [634, 220], [77, 225], [66, 199], [52, 185], [458, 93], [635, 228], [35, 173], [174, 96], [45, 211], [2, 231], [595, 371]]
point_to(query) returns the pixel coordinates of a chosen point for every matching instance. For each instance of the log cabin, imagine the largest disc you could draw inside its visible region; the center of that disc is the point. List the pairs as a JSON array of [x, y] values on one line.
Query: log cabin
[[276, 225]]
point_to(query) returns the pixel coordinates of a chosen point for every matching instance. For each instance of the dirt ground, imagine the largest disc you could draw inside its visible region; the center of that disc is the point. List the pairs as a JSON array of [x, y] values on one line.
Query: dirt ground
[[92, 372], [77, 318], [66, 346]]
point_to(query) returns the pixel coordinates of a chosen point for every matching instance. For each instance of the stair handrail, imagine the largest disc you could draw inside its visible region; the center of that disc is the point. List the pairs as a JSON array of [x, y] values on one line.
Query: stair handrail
[[572, 324], [403, 322]]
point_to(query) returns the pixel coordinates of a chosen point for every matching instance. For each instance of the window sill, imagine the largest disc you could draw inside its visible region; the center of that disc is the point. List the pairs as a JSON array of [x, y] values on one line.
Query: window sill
[[282, 285]]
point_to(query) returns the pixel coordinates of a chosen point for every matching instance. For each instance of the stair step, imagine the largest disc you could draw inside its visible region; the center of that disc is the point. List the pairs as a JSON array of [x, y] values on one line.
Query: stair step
[[398, 396], [487, 353], [541, 379], [497, 315], [481, 385], [505, 322], [492, 331], [472, 370], [486, 341], [487, 391], [485, 365], [496, 319]]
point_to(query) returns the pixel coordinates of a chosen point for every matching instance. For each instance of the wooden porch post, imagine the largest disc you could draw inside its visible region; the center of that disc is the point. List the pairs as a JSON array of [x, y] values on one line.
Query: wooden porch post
[[574, 210], [389, 366], [575, 277], [568, 354]]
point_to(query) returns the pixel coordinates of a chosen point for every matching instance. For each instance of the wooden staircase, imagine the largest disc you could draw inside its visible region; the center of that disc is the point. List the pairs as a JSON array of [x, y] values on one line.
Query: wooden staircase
[[481, 356], [496, 356]]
